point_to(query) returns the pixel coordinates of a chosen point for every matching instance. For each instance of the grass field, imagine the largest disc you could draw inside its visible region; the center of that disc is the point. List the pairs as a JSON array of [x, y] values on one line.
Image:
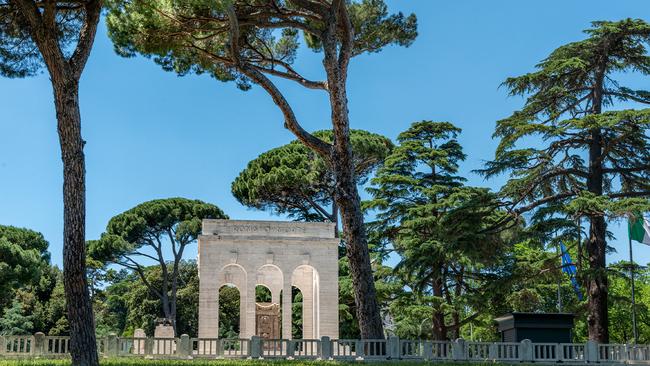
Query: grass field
[[141, 362]]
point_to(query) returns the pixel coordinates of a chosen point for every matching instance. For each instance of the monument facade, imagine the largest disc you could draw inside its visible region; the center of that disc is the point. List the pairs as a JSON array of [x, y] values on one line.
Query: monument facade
[[278, 255]]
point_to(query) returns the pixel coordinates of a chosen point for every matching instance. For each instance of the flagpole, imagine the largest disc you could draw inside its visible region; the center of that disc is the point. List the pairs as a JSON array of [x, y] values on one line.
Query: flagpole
[[559, 281], [579, 274], [634, 329]]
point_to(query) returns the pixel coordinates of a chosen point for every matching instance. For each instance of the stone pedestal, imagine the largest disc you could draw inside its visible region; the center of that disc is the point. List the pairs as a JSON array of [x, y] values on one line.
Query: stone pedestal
[[164, 342]]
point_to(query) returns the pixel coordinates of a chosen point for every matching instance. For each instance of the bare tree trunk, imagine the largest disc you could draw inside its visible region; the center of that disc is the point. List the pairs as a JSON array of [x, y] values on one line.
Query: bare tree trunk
[[78, 302]]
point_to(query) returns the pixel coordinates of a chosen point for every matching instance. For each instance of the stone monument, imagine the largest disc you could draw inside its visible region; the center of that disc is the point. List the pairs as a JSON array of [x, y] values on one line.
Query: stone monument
[[278, 255], [163, 338]]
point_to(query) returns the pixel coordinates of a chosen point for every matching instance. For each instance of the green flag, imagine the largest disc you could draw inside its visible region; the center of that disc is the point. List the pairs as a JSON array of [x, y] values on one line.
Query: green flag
[[639, 228]]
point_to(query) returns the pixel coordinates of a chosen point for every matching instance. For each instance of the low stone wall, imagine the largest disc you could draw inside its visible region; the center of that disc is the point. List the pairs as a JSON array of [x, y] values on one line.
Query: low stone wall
[[41, 346]]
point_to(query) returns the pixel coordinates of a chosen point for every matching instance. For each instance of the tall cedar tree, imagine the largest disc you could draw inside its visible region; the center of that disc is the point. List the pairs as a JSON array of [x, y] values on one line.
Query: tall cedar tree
[[60, 35], [143, 233], [434, 222], [577, 151], [293, 180], [254, 41]]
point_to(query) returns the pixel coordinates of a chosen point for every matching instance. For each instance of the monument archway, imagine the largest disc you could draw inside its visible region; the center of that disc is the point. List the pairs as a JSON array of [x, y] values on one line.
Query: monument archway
[[277, 255]]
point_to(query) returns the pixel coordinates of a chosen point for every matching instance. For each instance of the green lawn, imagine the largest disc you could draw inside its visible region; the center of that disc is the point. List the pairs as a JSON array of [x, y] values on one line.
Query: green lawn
[[141, 362]]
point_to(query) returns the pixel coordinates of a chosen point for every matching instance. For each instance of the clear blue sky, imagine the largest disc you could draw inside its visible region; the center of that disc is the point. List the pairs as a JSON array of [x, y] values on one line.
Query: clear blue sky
[[151, 134]]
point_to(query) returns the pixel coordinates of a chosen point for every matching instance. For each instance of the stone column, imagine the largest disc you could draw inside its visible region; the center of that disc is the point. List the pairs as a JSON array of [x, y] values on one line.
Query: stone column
[[208, 299], [328, 299], [286, 307], [248, 305]]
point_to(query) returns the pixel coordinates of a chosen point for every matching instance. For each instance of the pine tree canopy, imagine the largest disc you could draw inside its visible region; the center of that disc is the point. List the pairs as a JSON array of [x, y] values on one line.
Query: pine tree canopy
[[19, 54], [293, 180], [436, 223], [566, 98], [570, 155], [193, 36], [177, 220], [23, 253]]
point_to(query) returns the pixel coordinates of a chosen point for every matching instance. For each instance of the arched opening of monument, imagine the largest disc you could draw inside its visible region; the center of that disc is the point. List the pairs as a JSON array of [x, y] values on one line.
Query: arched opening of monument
[[306, 301], [268, 318], [262, 294], [229, 311], [296, 313]]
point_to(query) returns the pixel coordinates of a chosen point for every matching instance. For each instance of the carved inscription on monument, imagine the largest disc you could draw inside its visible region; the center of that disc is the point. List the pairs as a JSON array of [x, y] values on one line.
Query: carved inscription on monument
[[268, 229]]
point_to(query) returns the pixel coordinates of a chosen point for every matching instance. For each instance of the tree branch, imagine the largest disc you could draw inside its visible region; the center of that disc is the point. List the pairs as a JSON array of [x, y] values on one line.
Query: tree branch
[[629, 194], [86, 37], [290, 120], [544, 200]]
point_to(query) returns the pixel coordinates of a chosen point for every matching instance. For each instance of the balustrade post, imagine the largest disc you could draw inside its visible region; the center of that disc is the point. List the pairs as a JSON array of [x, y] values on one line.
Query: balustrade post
[[38, 344], [591, 352], [428, 350], [358, 347], [526, 351], [220, 348], [185, 346], [291, 348], [393, 348], [458, 350], [256, 347], [112, 345], [492, 351], [149, 343], [326, 348]]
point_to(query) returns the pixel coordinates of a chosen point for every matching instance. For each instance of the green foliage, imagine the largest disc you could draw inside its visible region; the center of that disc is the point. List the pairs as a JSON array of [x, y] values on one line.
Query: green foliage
[[40, 305], [126, 303], [568, 157], [563, 110], [620, 303], [19, 55], [23, 254], [229, 302], [293, 180], [202, 46], [387, 285], [15, 321], [145, 233], [439, 227], [175, 219]]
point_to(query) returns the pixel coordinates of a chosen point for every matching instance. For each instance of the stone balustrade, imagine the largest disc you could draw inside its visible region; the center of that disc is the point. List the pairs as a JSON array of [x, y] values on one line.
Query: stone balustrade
[[41, 346]]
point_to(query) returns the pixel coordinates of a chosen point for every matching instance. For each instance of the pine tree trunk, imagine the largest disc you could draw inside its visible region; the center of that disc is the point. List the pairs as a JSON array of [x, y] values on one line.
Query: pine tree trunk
[[354, 234], [83, 346], [346, 193]]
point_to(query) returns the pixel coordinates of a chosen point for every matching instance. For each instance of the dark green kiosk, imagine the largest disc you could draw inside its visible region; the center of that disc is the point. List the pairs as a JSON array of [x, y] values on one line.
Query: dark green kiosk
[[538, 327]]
